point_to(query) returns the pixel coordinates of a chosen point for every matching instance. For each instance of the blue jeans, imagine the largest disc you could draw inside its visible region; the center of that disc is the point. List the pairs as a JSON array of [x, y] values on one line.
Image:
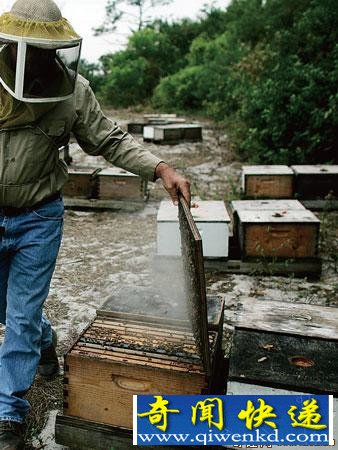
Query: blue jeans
[[28, 252]]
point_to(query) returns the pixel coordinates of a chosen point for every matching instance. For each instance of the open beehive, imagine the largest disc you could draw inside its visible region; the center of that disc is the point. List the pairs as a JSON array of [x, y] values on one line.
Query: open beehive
[[125, 353]]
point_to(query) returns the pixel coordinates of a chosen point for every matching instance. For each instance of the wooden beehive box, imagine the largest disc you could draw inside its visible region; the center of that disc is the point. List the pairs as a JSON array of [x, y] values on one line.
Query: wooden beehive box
[[316, 181], [278, 233], [135, 127], [114, 359], [82, 183], [265, 181], [122, 354], [172, 133], [118, 184]]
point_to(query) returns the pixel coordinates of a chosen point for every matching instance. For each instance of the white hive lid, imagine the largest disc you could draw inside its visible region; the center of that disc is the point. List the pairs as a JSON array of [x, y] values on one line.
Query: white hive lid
[[177, 126], [267, 170], [111, 171], [207, 211], [261, 205], [273, 216], [320, 169]]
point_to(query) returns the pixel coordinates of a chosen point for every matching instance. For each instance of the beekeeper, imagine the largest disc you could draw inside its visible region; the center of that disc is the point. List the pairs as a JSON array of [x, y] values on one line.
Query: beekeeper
[[42, 100]]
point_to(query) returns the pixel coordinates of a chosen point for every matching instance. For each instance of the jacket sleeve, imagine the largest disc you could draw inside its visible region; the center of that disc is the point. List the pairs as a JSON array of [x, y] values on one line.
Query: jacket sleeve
[[97, 135]]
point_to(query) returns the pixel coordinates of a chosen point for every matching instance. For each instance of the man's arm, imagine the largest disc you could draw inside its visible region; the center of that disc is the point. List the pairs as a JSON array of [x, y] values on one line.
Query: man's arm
[[173, 182], [97, 135]]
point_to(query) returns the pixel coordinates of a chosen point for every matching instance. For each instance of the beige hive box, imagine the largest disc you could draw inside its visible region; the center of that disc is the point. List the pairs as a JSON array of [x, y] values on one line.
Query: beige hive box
[[275, 181], [118, 184], [278, 233], [81, 183]]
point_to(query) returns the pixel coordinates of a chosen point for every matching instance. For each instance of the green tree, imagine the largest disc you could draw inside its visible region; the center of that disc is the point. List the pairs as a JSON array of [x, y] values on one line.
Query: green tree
[[116, 11]]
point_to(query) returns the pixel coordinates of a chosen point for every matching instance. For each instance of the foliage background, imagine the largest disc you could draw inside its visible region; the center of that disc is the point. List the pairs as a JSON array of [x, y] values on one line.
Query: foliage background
[[266, 70]]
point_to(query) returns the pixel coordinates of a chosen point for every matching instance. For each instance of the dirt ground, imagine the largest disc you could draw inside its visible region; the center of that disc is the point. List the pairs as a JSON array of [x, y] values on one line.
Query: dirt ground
[[104, 253]]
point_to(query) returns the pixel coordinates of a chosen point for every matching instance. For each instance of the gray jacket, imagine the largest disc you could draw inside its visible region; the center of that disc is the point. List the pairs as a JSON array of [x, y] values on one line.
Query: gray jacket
[[30, 168]]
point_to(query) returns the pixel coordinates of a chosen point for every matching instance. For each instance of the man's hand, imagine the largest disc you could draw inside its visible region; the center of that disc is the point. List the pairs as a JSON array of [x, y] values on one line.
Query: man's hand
[[173, 182]]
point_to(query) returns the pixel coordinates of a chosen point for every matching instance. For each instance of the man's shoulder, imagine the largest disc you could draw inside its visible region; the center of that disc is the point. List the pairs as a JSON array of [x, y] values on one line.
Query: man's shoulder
[[82, 91], [82, 85]]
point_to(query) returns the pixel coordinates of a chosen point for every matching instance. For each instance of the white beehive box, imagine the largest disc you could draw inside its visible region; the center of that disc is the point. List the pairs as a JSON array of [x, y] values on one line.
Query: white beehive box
[[148, 133], [212, 220]]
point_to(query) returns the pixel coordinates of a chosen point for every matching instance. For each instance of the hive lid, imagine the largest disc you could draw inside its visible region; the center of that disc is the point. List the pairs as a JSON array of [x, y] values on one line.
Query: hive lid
[[323, 169], [194, 277], [261, 205], [278, 216], [206, 211], [114, 171], [280, 360], [267, 170]]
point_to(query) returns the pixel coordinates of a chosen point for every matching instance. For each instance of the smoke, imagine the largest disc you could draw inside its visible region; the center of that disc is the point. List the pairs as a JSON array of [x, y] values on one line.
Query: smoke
[[163, 296]]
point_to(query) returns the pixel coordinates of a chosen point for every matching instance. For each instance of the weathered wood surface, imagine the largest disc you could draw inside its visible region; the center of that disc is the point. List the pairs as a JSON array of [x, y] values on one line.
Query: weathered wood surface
[[267, 181], [194, 278], [115, 358], [81, 183], [279, 240], [118, 184], [288, 318], [80, 434], [102, 390], [275, 233], [266, 205], [82, 203], [286, 361]]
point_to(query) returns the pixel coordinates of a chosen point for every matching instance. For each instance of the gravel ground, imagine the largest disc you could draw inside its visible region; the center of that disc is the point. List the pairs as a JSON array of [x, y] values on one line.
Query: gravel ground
[[104, 253]]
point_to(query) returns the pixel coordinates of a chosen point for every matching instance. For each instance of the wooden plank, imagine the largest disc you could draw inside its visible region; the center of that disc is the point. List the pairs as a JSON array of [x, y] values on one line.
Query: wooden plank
[[287, 361], [81, 203], [80, 434], [266, 169], [262, 205], [194, 278], [270, 216], [135, 358], [271, 266], [289, 318]]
